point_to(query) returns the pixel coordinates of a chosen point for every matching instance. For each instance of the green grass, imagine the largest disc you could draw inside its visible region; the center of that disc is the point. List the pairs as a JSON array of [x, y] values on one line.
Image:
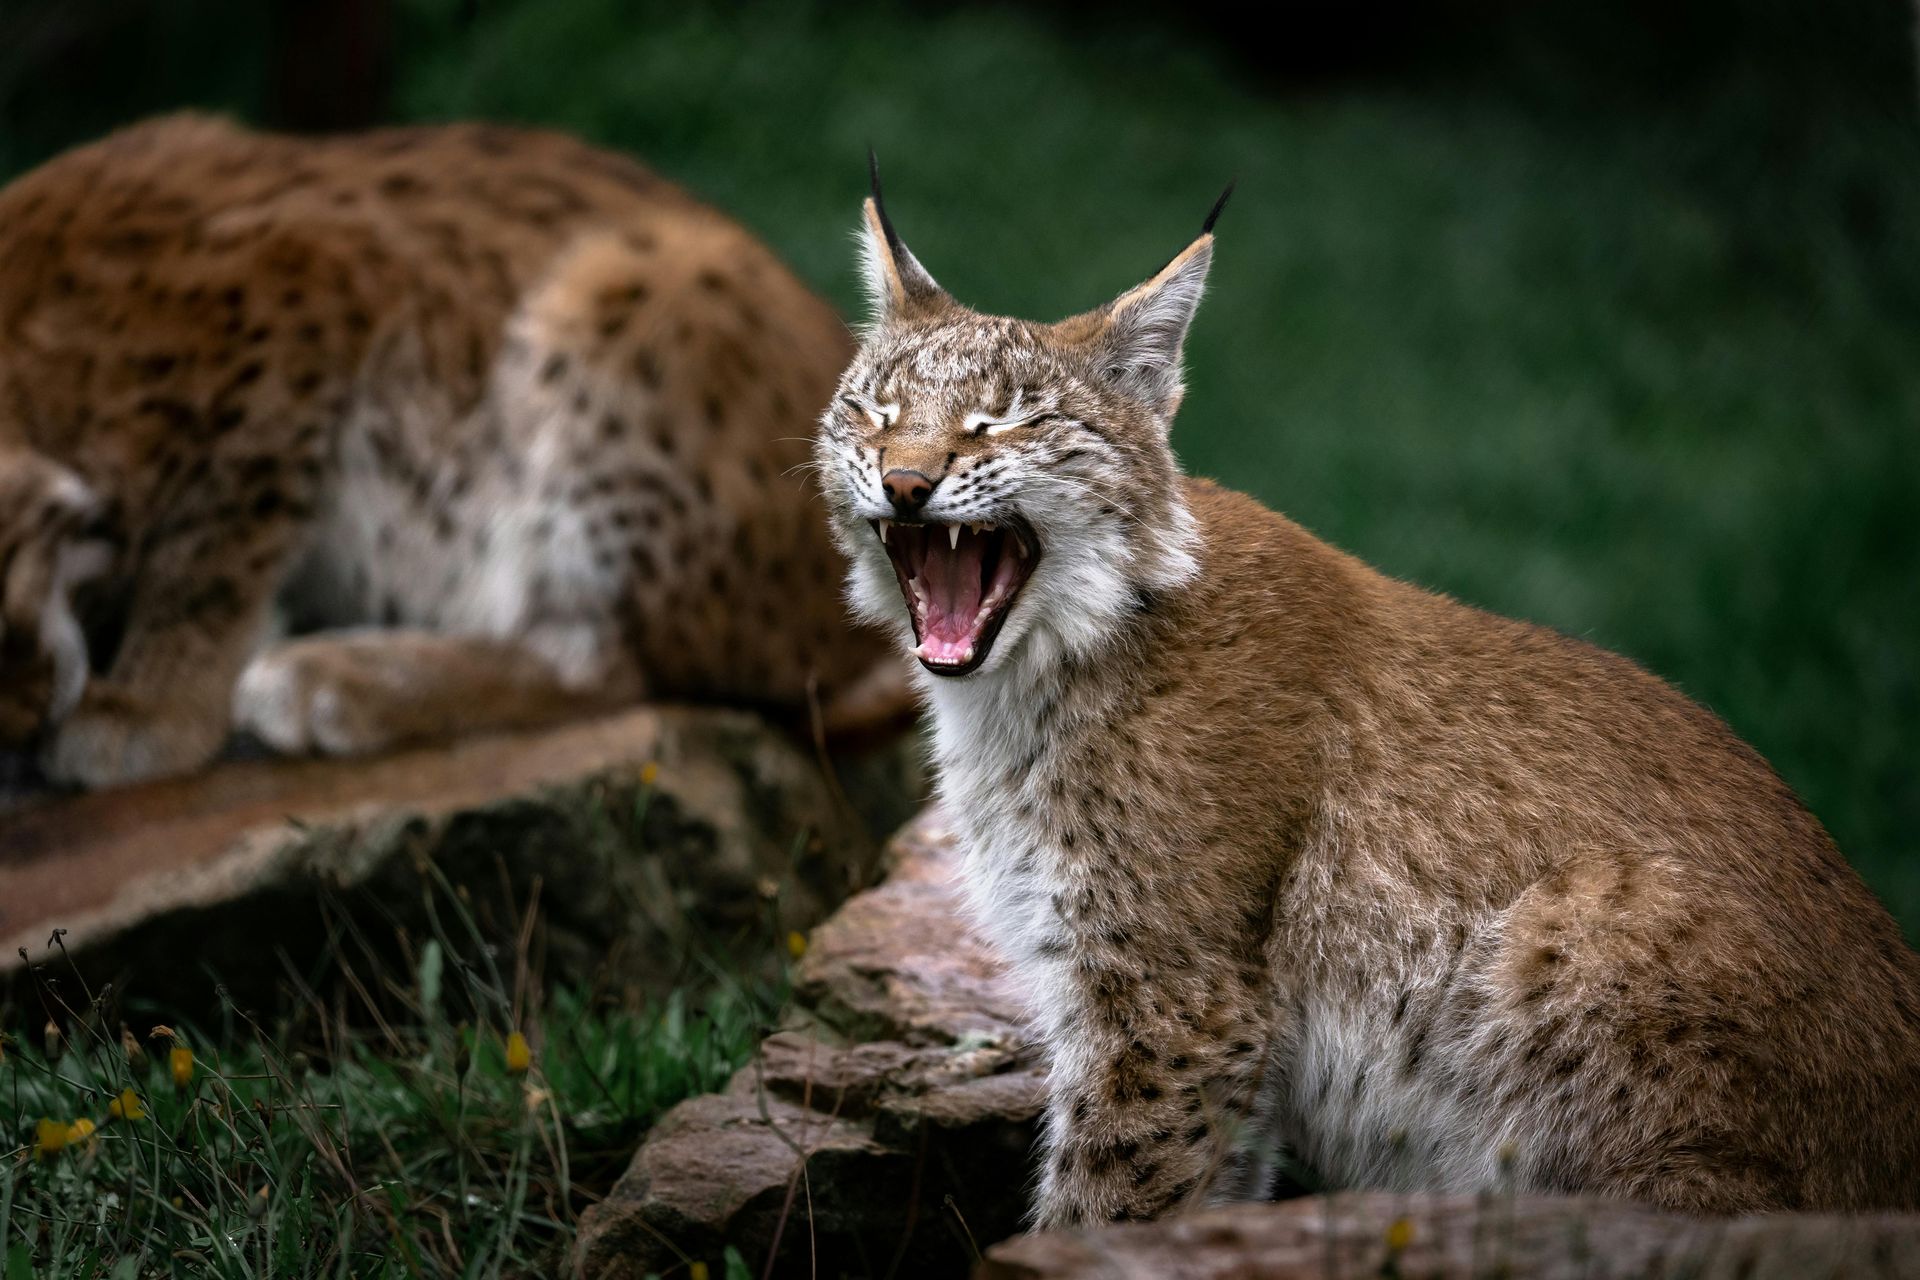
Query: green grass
[[418, 1154], [384, 1131]]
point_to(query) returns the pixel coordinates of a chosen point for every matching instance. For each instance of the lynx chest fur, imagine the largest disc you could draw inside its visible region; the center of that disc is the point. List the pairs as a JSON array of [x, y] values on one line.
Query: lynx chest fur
[[507, 423], [1294, 859]]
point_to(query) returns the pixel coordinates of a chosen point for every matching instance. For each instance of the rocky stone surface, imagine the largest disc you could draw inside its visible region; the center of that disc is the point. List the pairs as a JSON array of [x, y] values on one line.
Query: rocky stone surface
[[1379, 1234], [883, 1132], [634, 832]]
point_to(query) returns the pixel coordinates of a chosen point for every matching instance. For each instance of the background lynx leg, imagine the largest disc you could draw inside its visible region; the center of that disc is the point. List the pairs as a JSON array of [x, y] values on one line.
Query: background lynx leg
[[357, 692], [162, 706]]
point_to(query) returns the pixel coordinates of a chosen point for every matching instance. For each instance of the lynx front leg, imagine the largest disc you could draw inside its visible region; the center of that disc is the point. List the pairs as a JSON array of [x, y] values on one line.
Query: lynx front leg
[[1139, 1124], [360, 692], [51, 541], [200, 600]]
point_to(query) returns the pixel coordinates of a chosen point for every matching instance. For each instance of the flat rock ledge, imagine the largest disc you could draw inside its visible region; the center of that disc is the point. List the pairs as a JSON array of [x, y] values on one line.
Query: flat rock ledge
[[883, 1131], [1379, 1234], [633, 832]]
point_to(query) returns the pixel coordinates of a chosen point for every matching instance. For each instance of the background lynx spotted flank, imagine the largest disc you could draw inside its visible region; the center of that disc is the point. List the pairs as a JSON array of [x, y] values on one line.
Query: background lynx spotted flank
[[505, 422]]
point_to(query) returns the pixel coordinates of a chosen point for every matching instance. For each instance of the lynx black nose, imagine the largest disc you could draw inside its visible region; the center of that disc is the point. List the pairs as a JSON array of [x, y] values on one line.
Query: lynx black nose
[[907, 490]]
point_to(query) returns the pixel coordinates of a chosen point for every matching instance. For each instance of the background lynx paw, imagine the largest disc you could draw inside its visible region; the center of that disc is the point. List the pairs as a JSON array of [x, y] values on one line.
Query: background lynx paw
[[359, 692], [113, 737], [48, 547], [312, 698]]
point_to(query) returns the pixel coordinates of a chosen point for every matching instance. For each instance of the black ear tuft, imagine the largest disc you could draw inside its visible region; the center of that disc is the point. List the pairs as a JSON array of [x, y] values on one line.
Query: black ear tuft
[[1206, 227], [879, 202], [895, 278]]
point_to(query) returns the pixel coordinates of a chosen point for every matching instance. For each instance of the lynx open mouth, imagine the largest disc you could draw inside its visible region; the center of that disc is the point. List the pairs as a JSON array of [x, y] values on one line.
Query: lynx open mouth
[[959, 581]]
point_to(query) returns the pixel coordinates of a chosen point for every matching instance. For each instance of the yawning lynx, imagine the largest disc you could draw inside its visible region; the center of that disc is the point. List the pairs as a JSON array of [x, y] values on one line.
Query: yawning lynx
[[517, 411], [1290, 856]]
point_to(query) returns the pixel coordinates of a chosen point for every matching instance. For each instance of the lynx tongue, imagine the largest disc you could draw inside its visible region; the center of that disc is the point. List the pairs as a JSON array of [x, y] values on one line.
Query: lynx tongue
[[949, 588]]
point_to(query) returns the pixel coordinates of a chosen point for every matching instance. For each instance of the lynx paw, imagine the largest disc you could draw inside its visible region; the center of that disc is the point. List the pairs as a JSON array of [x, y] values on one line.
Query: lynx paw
[[309, 698], [113, 738], [48, 547]]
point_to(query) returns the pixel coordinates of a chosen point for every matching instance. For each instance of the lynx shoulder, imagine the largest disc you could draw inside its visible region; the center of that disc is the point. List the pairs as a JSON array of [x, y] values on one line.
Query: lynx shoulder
[[506, 423], [1292, 857]]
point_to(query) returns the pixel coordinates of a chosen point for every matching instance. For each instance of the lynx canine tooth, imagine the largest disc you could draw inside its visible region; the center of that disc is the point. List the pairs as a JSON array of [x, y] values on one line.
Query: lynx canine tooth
[[884, 526], [953, 537]]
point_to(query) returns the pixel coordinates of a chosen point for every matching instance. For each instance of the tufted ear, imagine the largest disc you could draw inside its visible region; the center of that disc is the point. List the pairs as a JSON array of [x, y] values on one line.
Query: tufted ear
[[896, 282], [1138, 336]]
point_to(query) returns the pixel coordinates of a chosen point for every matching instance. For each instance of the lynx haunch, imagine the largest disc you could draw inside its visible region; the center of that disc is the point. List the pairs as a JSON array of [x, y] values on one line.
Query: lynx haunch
[[1291, 856]]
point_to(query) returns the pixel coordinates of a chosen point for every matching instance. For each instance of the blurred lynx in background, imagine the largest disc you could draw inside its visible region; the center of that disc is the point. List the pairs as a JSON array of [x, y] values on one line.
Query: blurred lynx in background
[[505, 422]]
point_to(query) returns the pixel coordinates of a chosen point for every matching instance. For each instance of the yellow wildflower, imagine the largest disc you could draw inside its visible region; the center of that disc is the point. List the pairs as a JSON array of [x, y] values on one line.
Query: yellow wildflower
[[126, 1107], [796, 944], [49, 1137], [519, 1054], [80, 1132], [1399, 1235], [649, 773], [180, 1062], [696, 1271]]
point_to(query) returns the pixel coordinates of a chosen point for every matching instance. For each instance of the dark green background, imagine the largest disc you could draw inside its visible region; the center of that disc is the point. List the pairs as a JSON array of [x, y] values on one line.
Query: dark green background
[[1607, 318]]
